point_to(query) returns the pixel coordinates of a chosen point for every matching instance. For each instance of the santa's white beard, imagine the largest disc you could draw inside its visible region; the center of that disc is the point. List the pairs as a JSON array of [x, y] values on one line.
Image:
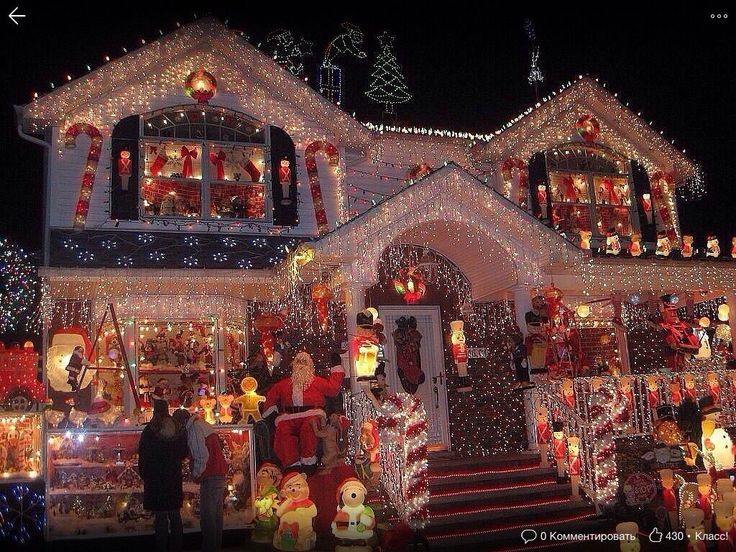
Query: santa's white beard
[[302, 377]]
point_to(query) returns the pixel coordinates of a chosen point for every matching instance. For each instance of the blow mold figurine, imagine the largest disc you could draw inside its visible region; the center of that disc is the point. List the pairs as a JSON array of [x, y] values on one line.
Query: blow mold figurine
[[664, 247], [559, 448], [543, 434], [268, 478], [585, 236], [687, 246], [208, 407], [629, 542], [669, 497], [354, 521], [296, 514], [249, 400], [573, 465], [635, 249], [712, 247], [692, 519], [705, 486], [224, 402], [724, 523]]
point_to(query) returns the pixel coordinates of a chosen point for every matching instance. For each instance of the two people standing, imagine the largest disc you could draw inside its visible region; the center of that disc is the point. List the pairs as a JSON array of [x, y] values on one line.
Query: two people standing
[[164, 443]]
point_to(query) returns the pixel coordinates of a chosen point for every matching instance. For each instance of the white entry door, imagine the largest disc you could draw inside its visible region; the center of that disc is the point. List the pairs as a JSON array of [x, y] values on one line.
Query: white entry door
[[433, 392]]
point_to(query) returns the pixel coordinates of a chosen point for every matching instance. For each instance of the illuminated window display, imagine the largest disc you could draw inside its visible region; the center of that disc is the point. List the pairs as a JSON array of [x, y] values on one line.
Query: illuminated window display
[[94, 488], [20, 446], [178, 358]]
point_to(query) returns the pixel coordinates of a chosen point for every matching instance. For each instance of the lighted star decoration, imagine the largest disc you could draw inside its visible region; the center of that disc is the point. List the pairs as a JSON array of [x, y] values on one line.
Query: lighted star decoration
[[21, 514]]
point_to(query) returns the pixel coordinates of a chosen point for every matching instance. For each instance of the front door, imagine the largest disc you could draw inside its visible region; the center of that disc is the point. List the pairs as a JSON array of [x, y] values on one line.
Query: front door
[[433, 392]]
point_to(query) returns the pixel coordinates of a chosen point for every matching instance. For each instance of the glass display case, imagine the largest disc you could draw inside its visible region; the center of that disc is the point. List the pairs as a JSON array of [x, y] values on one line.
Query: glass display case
[[93, 488]]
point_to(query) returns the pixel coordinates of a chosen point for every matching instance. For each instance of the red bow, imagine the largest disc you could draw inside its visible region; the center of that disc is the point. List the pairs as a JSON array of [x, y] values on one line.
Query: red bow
[[187, 156], [216, 159]]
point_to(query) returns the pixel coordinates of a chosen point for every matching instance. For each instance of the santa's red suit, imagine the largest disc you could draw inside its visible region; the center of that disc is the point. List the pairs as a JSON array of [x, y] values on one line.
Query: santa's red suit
[[295, 440]]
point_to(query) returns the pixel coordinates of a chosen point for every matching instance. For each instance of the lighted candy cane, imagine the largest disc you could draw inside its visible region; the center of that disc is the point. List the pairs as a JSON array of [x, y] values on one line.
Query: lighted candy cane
[[506, 172], [90, 168], [333, 158], [659, 181]]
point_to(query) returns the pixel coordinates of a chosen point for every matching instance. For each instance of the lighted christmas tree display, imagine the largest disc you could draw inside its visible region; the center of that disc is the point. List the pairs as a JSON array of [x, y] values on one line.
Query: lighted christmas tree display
[[388, 84]]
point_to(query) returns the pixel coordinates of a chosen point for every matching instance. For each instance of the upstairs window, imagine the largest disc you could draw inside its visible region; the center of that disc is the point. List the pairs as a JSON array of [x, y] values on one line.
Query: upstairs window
[[590, 189], [204, 163]]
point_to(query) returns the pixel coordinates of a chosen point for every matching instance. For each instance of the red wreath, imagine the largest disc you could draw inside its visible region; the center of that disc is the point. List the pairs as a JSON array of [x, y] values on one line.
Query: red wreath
[[410, 285], [588, 128]]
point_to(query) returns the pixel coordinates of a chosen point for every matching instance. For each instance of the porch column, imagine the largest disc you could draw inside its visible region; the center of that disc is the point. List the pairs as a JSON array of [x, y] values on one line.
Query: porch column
[[354, 303], [522, 305]]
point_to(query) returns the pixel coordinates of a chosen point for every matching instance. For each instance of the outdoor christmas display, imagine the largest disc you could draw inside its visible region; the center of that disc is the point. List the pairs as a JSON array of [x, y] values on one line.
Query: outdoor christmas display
[[388, 85], [242, 227]]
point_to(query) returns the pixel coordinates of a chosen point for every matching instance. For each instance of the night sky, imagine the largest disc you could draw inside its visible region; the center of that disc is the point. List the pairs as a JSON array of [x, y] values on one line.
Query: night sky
[[466, 68]]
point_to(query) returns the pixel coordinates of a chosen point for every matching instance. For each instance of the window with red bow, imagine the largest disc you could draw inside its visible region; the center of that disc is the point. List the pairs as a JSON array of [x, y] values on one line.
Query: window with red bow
[[204, 163]]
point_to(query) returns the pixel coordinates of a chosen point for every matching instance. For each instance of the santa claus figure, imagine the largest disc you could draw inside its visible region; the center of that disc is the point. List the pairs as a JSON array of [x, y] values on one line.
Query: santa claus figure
[[298, 400]]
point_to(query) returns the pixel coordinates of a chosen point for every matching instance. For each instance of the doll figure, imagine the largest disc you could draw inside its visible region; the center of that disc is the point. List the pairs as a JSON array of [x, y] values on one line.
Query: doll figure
[[354, 520], [664, 247], [168, 205], [733, 247], [248, 402], [714, 386], [687, 246], [653, 391], [226, 414], [285, 180], [75, 365], [268, 478], [543, 434], [295, 512], [712, 247], [635, 249], [613, 243]]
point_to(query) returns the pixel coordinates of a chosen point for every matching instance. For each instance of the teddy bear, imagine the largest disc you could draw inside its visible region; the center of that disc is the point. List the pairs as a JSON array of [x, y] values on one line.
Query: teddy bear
[[585, 236], [248, 402], [354, 521], [295, 512], [635, 249], [268, 478], [208, 407], [226, 414], [687, 246]]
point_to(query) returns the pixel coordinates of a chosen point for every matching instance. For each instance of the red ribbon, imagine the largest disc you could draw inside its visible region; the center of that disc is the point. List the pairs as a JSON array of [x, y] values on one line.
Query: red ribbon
[[187, 156], [216, 159]]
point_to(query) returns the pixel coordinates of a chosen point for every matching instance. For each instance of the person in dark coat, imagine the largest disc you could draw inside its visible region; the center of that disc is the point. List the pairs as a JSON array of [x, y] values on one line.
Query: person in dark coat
[[161, 450]]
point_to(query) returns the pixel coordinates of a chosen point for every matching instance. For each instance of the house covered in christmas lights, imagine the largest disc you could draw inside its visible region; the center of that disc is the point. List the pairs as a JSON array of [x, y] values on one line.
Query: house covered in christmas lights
[[232, 216]]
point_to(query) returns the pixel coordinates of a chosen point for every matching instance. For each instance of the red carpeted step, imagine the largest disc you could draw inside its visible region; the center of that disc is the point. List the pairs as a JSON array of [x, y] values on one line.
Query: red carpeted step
[[495, 495], [508, 529]]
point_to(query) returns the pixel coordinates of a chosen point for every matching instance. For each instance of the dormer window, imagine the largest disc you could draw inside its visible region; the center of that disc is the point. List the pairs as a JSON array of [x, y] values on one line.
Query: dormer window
[[590, 189], [203, 162]]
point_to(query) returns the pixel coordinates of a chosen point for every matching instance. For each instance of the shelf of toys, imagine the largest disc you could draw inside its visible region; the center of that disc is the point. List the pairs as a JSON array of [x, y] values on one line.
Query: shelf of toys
[[94, 418]]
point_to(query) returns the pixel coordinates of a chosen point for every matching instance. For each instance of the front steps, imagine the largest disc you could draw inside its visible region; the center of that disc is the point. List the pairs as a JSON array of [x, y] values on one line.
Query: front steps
[[487, 502]]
